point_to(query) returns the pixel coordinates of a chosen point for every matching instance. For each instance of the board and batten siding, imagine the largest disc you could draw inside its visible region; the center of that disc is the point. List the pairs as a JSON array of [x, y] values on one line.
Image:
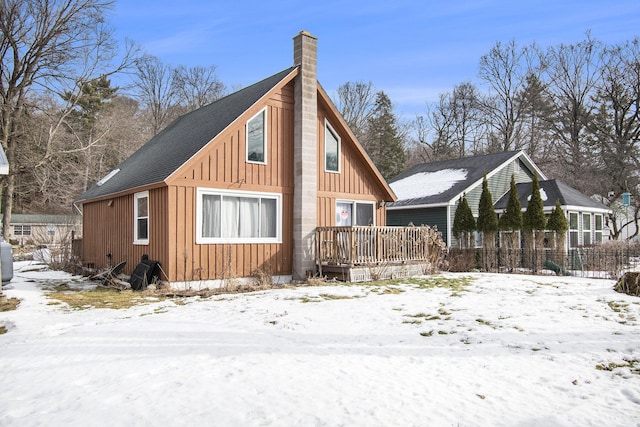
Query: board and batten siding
[[432, 217], [108, 229], [354, 182], [222, 165]]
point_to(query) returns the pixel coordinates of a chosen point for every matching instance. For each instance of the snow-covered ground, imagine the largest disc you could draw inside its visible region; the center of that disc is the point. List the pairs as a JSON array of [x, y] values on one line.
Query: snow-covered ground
[[509, 350]]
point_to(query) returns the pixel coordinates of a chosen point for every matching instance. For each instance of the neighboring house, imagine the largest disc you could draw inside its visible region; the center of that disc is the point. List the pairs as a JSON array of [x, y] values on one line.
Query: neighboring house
[[42, 229], [585, 216], [429, 193], [238, 186]]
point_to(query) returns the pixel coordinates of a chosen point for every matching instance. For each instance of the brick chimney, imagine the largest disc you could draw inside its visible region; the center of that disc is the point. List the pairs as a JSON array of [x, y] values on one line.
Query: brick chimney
[[305, 193]]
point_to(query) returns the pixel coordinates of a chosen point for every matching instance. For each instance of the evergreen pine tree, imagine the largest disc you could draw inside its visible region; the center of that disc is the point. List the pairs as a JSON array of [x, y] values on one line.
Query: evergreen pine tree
[[511, 220], [383, 140], [557, 221], [487, 217], [533, 218], [463, 221]]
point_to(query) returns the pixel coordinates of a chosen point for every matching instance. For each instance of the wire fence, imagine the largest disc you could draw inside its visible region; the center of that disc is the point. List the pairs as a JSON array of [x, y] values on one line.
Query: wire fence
[[593, 262]]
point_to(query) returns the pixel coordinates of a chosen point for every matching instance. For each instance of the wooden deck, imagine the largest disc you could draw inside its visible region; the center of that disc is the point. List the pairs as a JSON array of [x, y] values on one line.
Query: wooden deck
[[359, 254]]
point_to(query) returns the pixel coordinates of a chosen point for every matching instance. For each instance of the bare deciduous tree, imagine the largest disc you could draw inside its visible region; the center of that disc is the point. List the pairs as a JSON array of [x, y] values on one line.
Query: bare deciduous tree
[[355, 102], [504, 70], [54, 45], [154, 83], [572, 74], [197, 86]]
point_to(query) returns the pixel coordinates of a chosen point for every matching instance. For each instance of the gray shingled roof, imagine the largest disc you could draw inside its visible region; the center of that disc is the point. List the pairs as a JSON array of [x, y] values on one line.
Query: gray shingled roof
[[475, 167], [184, 137], [554, 190]]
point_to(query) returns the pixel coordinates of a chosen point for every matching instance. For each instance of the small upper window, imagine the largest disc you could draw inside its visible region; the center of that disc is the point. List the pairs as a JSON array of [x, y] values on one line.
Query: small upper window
[[256, 138], [141, 218], [331, 149]]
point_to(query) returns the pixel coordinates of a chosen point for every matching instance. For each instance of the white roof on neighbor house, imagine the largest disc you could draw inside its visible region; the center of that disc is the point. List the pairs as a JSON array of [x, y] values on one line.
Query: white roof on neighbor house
[[425, 184]]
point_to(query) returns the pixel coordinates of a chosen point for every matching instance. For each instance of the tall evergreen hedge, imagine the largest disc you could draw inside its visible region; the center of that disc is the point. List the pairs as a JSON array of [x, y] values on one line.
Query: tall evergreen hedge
[[557, 221], [463, 221], [533, 218], [511, 220], [487, 217]]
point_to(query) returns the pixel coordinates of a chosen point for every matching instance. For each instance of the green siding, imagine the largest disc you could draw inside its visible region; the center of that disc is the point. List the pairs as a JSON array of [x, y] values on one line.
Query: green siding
[[426, 216], [498, 185]]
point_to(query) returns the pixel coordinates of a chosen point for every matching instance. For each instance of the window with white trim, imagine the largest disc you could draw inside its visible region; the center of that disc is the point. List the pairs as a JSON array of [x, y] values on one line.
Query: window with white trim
[[478, 239], [141, 218], [598, 228], [586, 229], [331, 149], [350, 213], [22, 230], [257, 138], [238, 217], [573, 229]]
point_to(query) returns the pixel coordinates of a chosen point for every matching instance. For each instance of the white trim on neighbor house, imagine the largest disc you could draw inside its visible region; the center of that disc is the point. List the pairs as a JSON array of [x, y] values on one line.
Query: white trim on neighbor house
[[265, 142], [202, 191], [137, 240], [432, 205]]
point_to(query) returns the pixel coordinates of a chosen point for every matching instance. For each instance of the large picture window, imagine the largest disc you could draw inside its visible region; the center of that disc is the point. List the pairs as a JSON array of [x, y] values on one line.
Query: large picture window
[[238, 217], [331, 149], [256, 138], [141, 218]]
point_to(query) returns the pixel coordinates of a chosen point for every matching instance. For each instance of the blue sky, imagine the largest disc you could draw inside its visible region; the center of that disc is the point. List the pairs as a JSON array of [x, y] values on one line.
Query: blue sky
[[413, 50]]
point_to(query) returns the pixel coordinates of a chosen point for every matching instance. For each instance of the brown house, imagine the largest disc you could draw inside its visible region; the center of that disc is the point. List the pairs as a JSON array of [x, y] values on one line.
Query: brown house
[[237, 186]]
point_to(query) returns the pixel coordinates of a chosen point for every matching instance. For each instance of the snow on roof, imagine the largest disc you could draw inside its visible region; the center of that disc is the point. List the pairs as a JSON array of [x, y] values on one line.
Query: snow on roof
[[425, 184]]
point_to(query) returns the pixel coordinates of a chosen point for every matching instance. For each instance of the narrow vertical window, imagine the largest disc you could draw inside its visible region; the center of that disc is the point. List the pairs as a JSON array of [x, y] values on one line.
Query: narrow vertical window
[[331, 149], [598, 228], [586, 229], [573, 230], [256, 138], [141, 218]]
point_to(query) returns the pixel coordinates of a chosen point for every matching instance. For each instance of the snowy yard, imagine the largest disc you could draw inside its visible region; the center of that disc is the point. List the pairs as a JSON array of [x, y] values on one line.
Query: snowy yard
[[448, 350]]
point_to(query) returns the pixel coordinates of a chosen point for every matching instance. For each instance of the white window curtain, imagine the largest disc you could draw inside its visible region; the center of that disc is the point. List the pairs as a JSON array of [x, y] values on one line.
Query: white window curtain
[[268, 220], [233, 216], [210, 215], [344, 214], [248, 217]]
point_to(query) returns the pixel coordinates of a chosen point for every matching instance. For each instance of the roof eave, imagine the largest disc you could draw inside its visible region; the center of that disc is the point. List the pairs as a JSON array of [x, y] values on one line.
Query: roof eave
[[279, 85], [327, 100]]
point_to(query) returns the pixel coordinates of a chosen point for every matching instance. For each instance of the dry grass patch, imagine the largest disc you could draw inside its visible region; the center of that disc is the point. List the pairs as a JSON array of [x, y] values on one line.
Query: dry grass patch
[[8, 304], [102, 297]]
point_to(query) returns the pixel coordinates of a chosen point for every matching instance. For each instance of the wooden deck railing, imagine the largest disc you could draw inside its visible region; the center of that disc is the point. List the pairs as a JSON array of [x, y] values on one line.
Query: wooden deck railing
[[372, 245]]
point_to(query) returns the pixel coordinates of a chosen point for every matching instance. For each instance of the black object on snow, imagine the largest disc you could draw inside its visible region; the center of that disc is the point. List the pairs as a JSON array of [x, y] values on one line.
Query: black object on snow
[[144, 274]]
